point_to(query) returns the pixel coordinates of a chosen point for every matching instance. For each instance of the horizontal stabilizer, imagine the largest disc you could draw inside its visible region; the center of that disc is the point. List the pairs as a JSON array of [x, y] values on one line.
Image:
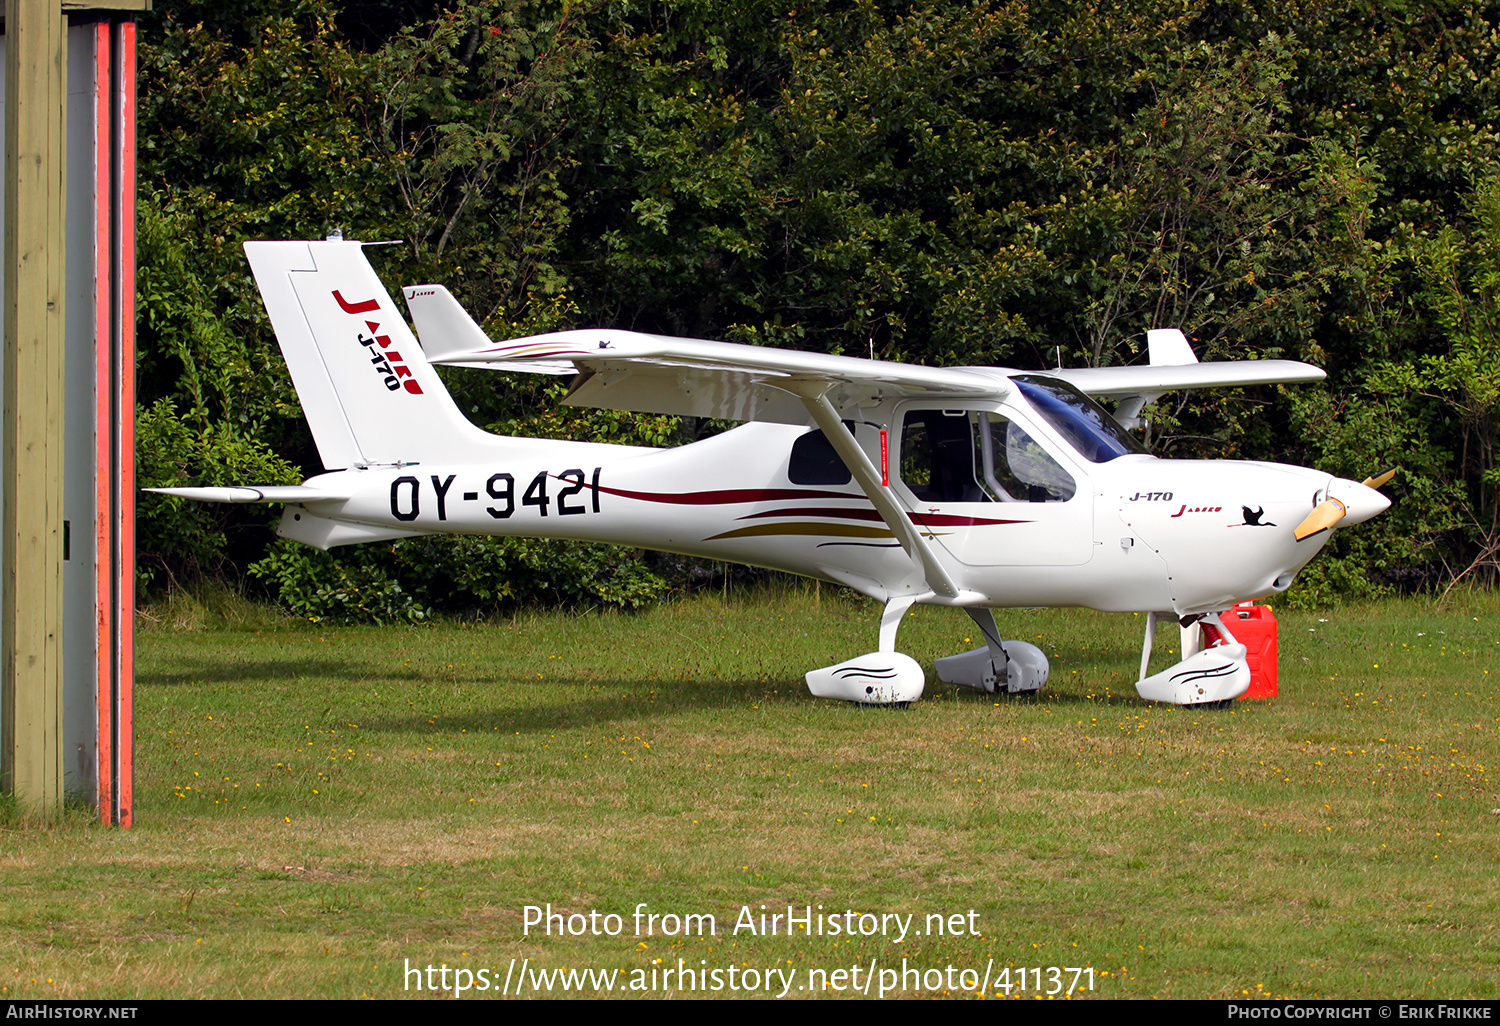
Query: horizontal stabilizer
[[257, 493]]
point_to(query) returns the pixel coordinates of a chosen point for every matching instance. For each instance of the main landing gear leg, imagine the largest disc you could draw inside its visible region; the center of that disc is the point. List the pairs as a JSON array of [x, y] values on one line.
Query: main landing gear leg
[[1214, 675], [1015, 667], [884, 677]]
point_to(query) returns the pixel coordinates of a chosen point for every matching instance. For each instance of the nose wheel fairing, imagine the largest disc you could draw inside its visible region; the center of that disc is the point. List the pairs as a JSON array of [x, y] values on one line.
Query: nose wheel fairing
[[1206, 677]]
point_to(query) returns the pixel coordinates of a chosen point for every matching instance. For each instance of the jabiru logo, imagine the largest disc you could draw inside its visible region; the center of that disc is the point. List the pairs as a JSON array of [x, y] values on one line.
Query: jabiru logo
[[386, 361]]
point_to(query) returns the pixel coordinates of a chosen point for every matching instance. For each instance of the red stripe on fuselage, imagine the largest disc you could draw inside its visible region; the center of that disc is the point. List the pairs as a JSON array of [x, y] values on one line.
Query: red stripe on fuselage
[[954, 520], [728, 495]]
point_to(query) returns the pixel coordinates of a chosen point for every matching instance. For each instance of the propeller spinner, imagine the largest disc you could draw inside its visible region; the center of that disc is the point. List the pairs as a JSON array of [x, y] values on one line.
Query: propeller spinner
[[1360, 502]]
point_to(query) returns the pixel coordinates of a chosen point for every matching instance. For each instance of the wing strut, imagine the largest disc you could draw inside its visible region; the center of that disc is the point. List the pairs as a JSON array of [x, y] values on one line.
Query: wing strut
[[842, 440]]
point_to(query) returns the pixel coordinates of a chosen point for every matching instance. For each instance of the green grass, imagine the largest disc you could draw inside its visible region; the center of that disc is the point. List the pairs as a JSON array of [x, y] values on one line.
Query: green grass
[[316, 806]]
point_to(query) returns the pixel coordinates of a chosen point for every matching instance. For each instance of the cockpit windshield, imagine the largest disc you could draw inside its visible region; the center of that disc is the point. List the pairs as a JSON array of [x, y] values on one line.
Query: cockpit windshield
[[1085, 424]]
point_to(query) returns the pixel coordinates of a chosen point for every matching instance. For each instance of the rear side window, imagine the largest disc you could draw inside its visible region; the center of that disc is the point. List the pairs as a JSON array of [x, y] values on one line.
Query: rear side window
[[814, 462]]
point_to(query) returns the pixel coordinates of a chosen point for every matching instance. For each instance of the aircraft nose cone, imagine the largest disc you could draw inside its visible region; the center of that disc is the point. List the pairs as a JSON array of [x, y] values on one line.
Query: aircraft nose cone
[[1360, 500]]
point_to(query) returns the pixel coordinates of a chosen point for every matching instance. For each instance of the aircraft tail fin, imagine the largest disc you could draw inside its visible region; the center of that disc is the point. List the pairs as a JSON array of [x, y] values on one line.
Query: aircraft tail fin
[[367, 389]]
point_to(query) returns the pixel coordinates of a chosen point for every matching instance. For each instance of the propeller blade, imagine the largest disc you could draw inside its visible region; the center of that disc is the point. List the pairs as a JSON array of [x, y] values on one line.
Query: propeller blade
[[1324, 515], [1380, 479]]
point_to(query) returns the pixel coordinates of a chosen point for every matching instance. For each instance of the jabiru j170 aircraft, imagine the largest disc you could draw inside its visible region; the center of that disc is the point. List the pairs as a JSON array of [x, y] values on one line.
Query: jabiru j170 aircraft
[[973, 487]]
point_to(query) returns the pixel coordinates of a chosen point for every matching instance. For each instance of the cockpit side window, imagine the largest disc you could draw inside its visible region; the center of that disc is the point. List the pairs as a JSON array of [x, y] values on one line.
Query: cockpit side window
[[1017, 469], [938, 456], [972, 456]]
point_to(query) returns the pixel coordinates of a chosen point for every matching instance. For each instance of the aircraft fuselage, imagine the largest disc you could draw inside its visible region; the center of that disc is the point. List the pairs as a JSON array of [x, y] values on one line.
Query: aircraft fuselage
[[1137, 532]]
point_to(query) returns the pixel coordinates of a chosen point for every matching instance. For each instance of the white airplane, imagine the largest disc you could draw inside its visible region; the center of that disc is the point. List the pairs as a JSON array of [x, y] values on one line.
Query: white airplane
[[974, 487]]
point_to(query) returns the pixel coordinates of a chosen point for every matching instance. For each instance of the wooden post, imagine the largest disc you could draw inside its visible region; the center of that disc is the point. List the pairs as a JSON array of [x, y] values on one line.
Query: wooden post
[[31, 531]]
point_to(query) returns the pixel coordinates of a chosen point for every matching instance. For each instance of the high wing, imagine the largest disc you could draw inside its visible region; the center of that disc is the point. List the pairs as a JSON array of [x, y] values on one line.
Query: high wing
[[446, 332], [628, 370], [1115, 382], [1174, 367]]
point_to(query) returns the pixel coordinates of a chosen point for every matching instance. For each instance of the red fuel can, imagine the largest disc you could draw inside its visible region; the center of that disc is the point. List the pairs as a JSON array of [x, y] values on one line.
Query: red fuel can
[[1255, 627]]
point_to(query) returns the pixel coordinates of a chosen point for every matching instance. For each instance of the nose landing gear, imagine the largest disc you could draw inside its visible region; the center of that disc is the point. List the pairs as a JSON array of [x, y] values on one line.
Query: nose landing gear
[[1212, 677]]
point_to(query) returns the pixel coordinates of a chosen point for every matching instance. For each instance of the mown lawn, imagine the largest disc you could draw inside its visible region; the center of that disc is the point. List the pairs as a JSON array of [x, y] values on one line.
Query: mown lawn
[[320, 810]]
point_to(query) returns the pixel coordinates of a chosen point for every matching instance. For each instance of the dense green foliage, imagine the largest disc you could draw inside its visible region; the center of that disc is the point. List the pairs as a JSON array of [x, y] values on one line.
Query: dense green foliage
[[940, 182]]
